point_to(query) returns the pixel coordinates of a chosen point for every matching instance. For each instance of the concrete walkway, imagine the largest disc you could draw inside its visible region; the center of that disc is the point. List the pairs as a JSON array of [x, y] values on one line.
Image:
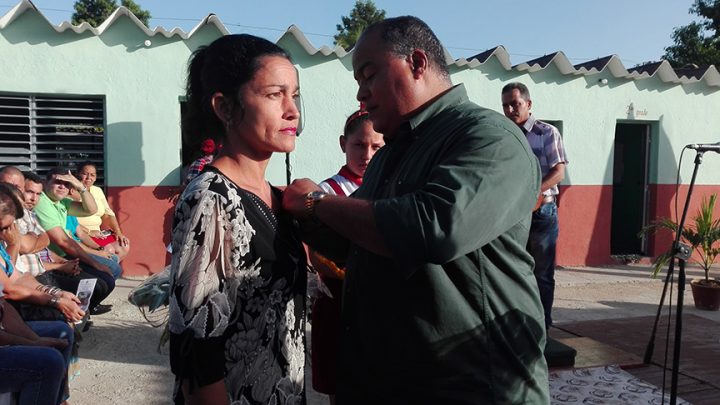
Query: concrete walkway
[[120, 362], [588, 293]]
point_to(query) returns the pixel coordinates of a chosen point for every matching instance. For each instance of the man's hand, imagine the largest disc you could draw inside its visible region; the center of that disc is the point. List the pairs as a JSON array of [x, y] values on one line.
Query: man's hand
[[70, 309], [294, 197], [71, 267], [72, 180]]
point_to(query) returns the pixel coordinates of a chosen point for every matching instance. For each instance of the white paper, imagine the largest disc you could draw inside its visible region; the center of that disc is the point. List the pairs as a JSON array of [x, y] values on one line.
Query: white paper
[[85, 291]]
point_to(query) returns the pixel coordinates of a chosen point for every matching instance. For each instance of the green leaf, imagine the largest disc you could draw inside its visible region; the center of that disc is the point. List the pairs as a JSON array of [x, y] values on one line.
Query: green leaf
[[702, 234]]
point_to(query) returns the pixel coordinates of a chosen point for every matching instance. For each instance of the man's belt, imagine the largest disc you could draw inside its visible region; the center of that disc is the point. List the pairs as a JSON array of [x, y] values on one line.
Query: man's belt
[[547, 199], [542, 200]]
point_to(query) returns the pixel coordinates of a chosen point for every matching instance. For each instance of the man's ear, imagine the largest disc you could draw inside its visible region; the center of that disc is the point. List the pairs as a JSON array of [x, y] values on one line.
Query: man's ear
[[221, 107], [419, 62], [529, 102], [343, 141]]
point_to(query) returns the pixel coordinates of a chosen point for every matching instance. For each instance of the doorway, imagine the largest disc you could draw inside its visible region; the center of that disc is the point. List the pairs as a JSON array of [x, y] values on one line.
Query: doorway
[[630, 188]]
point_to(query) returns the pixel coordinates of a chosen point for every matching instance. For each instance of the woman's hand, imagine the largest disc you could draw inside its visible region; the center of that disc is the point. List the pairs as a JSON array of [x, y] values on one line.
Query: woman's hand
[[122, 239], [106, 253], [51, 342], [70, 296], [70, 309], [11, 235]]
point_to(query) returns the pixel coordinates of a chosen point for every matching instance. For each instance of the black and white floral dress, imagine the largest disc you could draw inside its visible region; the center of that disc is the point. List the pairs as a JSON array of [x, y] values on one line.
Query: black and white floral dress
[[237, 302]]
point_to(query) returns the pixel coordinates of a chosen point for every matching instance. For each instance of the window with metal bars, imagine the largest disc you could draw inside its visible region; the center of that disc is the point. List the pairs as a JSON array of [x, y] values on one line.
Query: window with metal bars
[[39, 133]]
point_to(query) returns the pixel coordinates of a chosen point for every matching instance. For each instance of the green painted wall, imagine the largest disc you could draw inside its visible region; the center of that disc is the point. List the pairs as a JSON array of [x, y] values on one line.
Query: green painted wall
[[142, 84]]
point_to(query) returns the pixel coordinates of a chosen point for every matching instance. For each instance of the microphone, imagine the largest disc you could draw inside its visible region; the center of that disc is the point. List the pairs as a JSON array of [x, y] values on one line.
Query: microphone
[[705, 147]]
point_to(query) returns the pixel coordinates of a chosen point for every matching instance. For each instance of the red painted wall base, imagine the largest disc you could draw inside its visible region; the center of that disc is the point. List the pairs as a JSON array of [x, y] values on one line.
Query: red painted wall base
[[585, 212], [145, 215]]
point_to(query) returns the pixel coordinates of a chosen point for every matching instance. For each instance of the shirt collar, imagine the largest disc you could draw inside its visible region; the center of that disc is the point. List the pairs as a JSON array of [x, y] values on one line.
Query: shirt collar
[[44, 196], [348, 174], [453, 96], [529, 124]]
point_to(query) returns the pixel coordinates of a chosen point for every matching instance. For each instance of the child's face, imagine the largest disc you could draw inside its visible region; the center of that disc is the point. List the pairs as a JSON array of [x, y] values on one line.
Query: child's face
[[360, 146]]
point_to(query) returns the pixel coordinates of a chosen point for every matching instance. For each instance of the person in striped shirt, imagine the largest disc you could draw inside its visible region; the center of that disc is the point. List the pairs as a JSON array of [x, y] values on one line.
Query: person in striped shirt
[[547, 145]]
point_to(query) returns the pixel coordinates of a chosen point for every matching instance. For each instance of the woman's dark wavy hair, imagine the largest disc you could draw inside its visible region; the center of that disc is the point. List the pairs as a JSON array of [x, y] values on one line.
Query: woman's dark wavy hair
[[85, 164], [11, 201], [403, 35], [223, 66]]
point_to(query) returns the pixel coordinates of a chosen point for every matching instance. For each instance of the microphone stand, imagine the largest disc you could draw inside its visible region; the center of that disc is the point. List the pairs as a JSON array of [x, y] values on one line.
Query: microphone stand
[[682, 252]]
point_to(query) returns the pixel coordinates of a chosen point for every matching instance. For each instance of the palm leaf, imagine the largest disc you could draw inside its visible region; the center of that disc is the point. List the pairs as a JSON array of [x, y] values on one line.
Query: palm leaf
[[702, 235]]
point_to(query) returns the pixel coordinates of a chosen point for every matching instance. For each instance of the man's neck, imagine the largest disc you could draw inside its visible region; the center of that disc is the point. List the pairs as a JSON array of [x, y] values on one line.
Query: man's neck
[[51, 197]]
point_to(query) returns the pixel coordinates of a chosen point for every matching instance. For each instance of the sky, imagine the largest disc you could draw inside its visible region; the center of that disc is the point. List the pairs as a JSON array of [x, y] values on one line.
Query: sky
[[635, 30]]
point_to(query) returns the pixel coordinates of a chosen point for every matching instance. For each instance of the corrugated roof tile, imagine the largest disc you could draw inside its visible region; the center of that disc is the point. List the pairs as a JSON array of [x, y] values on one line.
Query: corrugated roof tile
[[661, 70], [27, 6]]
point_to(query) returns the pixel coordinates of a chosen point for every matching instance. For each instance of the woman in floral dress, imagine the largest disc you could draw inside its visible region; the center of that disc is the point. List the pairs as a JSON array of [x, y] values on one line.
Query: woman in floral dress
[[237, 309]]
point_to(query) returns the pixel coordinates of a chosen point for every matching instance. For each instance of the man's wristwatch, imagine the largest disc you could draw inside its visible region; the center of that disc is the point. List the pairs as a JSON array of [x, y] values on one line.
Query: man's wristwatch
[[83, 189], [54, 301], [311, 200]]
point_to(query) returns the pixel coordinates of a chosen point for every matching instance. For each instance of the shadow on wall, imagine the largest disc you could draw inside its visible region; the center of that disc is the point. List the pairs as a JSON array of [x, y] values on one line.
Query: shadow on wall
[[144, 212], [124, 165], [123, 147], [170, 194], [33, 29], [664, 165]]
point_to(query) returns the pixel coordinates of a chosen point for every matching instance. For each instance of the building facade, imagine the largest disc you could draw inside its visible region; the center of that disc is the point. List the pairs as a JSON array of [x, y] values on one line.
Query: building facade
[[114, 94]]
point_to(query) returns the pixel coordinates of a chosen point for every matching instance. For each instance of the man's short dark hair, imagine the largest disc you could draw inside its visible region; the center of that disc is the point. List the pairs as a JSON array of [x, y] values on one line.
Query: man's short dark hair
[[54, 172], [33, 177], [524, 92], [405, 34]]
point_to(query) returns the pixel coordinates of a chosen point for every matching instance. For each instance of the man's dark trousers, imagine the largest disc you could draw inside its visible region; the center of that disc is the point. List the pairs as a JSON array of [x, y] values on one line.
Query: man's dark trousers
[[541, 245]]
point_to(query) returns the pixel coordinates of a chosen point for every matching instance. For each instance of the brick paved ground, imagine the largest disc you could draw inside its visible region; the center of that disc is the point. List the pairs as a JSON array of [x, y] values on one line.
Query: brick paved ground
[[699, 379], [614, 306], [617, 306]]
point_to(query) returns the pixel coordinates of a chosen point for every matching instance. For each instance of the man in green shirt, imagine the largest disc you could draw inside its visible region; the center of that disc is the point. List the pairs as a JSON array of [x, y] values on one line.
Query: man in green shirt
[[52, 210], [440, 304]]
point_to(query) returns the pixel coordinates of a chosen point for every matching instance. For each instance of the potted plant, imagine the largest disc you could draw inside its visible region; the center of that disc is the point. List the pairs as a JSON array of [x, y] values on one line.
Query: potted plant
[[703, 236]]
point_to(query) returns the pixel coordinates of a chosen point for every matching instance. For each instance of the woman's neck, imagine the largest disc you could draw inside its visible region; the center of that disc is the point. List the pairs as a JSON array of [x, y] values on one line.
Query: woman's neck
[[247, 173]]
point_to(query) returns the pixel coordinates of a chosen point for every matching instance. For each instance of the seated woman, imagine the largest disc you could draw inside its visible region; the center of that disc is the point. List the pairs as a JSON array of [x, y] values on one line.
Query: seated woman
[[51, 303], [103, 226], [33, 357]]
